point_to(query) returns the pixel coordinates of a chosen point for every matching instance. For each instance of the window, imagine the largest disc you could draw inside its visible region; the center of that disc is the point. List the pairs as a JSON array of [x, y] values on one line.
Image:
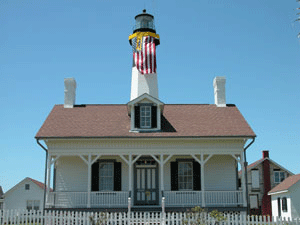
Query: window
[[106, 176], [255, 178], [279, 176], [185, 176], [33, 204], [27, 186], [284, 204], [145, 116]]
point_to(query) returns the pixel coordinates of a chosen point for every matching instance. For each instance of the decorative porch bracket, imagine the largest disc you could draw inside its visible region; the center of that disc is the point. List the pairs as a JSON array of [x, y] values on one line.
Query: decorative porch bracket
[[89, 162], [130, 162], [202, 162], [161, 163]]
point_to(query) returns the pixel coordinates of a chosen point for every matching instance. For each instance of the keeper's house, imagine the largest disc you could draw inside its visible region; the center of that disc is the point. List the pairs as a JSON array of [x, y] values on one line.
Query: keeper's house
[[136, 154]]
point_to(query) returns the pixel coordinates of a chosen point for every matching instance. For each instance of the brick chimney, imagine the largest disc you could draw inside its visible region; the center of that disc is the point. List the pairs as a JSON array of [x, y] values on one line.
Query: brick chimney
[[219, 91], [266, 200], [70, 92]]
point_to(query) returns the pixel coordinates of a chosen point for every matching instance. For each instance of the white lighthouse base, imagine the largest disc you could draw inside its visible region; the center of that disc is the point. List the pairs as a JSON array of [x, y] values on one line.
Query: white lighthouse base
[[143, 83]]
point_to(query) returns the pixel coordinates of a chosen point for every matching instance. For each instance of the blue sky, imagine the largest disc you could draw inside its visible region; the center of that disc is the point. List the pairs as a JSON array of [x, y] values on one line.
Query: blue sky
[[253, 43]]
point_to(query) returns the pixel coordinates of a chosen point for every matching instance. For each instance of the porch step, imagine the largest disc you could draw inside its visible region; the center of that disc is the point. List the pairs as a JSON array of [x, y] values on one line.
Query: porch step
[[146, 209]]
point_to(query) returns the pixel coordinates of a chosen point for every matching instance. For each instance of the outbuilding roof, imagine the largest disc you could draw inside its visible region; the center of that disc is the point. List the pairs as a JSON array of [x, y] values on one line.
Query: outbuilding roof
[[178, 120], [286, 184]]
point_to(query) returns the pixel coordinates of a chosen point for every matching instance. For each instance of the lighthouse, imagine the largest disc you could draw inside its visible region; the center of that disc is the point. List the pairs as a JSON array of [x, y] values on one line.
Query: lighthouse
[[144, 41]]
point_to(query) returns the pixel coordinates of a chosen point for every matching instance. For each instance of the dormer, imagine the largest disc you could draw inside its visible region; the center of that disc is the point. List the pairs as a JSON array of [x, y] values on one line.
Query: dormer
[[145, 113]]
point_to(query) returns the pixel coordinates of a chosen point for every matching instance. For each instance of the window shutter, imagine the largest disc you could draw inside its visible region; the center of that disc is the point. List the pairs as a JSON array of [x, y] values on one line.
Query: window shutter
[[95, 176], [117, 176], [154, 116], [196, 177], [137, 117], [174, 176]]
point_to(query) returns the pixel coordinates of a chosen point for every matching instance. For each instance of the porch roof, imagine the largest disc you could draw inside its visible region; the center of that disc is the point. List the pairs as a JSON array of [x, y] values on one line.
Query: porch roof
[[178, 120]]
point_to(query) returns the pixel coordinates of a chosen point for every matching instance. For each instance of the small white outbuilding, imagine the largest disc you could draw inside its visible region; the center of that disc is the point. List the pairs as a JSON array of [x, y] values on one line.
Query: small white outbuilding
[[285, 198], [27, 194]]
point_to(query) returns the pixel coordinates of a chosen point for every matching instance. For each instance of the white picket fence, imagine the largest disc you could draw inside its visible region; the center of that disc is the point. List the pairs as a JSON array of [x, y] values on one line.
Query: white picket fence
[[13, 217]]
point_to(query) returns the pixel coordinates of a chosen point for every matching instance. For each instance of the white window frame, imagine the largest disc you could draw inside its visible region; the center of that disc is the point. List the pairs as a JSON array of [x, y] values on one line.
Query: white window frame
[[281, 175], [145, 113], [106, 178], [33, 205], [185, 180]]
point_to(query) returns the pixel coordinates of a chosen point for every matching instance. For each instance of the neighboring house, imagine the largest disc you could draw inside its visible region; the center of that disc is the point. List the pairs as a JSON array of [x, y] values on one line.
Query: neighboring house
[[106, 155], [286, 198], [28, 194], [1, 198], [263, 175]]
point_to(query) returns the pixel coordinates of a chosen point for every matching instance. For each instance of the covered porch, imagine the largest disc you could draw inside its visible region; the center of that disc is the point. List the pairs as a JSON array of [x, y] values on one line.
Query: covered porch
[[147, 181]]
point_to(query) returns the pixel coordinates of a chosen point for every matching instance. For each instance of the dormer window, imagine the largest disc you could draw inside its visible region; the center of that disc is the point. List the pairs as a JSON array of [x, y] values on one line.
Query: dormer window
[[145, 116], [145, 112]]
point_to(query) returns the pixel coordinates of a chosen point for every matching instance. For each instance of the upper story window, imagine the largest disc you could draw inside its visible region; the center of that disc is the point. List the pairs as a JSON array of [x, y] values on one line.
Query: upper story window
[[255, 179], [279, 176], [145, 116], [27, 186]]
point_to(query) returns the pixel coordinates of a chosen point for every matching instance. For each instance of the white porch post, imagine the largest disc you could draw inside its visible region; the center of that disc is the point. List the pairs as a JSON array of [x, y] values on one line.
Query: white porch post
[[130, 174], [202, 181], [48, 179], [89, 180], [244, 181], [202, 164], [162, 187], [89, 163], [161, 163]]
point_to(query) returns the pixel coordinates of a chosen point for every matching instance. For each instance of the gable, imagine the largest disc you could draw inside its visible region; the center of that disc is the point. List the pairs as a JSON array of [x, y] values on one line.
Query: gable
[[21, 185]]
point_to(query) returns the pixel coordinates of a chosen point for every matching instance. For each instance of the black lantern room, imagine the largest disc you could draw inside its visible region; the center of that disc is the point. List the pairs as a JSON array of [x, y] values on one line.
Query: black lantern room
[[144, 22]]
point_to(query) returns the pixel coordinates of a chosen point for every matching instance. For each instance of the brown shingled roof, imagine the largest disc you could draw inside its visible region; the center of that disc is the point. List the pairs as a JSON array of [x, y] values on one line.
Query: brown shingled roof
[[113, 121], [286, 184]]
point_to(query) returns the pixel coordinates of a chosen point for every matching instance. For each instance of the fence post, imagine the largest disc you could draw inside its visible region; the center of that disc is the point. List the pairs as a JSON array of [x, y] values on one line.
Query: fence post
[[163, 212], [129, 211]]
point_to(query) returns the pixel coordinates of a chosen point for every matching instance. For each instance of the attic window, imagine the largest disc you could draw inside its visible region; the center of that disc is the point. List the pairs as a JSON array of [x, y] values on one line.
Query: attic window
[[145, 116], [27, 186]]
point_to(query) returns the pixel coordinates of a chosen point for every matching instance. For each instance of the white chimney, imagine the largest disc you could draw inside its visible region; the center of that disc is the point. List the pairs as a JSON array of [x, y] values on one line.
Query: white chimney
[[219, 91], [70, 92]]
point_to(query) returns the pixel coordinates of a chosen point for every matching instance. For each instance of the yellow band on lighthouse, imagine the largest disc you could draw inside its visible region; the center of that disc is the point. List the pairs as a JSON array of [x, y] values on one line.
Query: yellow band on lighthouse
[[139, 36], [142, 34]]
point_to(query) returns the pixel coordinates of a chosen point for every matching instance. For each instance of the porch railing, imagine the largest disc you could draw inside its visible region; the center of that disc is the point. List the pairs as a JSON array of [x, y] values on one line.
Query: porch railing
[[183, 198], [80, 199], [119, 198], [223, 198], [212, 198]]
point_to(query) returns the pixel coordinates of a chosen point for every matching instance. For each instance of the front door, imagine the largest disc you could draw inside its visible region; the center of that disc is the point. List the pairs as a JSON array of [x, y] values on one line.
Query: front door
[[146, 183]]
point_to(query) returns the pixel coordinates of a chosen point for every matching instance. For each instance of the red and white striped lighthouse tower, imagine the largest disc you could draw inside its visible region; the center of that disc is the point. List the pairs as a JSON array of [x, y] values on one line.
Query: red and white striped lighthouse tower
[[144, 41]]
